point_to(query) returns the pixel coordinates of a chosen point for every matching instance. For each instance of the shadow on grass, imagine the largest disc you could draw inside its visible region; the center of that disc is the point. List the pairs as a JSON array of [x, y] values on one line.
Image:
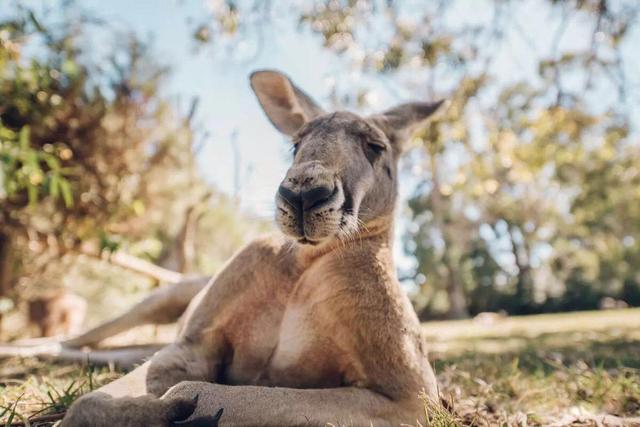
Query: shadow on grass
[[546, 354]]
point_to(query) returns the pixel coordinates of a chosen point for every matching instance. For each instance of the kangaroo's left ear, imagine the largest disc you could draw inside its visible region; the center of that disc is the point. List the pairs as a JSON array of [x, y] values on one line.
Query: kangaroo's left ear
[[400, 122]]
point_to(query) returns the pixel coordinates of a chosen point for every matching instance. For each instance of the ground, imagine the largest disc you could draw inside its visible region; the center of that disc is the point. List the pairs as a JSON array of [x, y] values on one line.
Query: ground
[[559, 369], [574, 369]]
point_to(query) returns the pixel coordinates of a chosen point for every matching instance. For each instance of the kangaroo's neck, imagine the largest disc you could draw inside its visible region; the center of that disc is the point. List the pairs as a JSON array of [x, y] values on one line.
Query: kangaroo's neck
[[375, 236]]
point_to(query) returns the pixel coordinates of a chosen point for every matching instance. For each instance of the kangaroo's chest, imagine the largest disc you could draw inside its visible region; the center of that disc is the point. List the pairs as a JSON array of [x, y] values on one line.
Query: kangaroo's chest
[[291, 345]]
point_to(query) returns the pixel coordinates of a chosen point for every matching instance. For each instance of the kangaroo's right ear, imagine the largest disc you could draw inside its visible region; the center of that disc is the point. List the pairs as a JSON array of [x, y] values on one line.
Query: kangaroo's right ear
[[286, 106]]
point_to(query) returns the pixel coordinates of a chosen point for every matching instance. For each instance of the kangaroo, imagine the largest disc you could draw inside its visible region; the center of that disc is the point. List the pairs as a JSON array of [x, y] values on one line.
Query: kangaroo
[[308, 327]]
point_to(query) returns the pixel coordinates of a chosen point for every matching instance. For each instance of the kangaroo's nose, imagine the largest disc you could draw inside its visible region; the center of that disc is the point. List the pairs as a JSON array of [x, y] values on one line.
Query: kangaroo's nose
[[315, 197], [307, 199]]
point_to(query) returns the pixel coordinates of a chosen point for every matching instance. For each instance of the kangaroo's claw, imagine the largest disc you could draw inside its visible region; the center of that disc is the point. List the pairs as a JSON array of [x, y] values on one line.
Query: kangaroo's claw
[[201, 421]]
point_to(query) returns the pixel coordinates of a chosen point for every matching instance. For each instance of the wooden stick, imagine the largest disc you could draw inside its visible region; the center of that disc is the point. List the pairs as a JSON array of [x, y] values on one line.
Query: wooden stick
[[138, 265]]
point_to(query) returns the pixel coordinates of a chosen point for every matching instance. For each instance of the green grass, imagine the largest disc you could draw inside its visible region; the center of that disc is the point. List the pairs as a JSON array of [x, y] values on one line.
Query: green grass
[[572, 369]]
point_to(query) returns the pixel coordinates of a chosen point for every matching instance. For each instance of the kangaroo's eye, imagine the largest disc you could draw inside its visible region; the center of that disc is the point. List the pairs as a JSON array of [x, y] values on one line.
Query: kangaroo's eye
[[377, 147], [373, 150]]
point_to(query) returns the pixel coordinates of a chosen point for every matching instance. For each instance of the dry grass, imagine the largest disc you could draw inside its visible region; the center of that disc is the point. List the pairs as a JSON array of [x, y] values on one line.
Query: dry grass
[[40, 392], [576, 369], [562, 369]]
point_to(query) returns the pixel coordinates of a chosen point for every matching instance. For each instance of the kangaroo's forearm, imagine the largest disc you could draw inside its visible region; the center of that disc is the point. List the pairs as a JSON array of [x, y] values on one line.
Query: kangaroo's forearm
[[277, 406]]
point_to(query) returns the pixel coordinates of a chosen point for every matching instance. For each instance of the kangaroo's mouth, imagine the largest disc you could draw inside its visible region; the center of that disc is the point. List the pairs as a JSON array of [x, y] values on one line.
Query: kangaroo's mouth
[[305, 241]]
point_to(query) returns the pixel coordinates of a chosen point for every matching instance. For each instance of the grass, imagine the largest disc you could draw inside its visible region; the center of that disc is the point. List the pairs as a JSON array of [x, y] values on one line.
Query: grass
[[574, 369], [39, 393], [561, 369]]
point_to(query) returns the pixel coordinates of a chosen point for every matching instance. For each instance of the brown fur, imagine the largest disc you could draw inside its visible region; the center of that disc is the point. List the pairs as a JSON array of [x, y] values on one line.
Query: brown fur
[[303, 329]]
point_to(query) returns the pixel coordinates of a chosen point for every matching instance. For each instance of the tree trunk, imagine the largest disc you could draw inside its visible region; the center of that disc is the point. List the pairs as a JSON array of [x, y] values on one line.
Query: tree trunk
[[455, 292], [524, 281], [455, 289], [6, 264]]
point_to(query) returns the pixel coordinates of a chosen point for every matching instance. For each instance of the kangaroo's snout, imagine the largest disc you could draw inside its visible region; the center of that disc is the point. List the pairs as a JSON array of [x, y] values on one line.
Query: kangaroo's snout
[[309, 202], [307, 186]]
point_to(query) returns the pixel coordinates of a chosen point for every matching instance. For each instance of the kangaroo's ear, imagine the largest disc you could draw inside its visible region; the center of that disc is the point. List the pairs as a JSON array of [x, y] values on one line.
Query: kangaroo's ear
[[400, 122], [286, 106]]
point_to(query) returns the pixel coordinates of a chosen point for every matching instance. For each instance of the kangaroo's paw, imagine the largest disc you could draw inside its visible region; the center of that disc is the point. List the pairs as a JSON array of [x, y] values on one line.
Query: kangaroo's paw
[[101, 410]]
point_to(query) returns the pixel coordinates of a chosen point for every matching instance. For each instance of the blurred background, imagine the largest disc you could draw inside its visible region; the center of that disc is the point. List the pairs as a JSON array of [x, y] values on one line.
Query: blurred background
[[133, 154], [128, 129]]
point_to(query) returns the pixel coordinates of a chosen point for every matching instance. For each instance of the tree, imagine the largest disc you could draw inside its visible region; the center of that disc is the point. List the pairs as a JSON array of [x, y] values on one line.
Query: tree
[[86, 145]]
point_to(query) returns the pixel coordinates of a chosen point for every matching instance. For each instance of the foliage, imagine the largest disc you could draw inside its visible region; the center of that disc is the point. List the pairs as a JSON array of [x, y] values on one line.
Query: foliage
[[94, 156], [79, 150]]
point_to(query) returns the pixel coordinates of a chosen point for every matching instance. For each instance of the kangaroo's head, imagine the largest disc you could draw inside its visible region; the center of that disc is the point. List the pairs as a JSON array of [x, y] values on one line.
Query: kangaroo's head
[[344, 170]]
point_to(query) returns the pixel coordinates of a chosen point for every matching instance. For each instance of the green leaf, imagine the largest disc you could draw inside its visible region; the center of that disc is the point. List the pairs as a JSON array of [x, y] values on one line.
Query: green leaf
[[31, 160], [67, 195], [70, 68], [52, 162], [54, 186], [32, 192], [24, 137], [7, 134]]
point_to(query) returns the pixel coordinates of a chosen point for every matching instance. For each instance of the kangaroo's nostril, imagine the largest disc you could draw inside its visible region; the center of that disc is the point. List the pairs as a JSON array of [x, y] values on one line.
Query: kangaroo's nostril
[[292, 198], [315, 197]]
